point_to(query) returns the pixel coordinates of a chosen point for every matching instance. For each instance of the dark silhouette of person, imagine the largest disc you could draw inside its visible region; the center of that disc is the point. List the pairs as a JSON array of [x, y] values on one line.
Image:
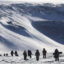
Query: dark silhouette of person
[[4, 54], [37, 54], [16, 53], [12, 53], [30, 53], [25, 55], [56, 55], [44, 53]]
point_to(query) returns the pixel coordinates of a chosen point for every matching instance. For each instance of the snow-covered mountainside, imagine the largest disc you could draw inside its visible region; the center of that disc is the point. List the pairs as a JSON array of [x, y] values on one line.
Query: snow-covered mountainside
[[31, 26]]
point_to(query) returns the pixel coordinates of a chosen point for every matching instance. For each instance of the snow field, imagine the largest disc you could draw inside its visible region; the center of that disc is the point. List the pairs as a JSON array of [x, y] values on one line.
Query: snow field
[[20, 60]]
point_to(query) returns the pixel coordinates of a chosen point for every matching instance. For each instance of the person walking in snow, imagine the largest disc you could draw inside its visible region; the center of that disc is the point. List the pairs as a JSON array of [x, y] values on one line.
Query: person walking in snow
[[12, 53], [56, 55], [37, 54], [30, 53], [25, 55], [16, 53], [44, 53]]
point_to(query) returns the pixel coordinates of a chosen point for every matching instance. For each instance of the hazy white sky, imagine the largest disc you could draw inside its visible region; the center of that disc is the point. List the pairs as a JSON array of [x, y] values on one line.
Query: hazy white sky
[[38, 1]]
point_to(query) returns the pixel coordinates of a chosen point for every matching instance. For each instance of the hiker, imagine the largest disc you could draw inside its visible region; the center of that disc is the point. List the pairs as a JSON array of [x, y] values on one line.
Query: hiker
[[12, 53], [44, 53], [30, 53], [56, 55], [16, 53], [4, 54], [37, 54], [25, 55]]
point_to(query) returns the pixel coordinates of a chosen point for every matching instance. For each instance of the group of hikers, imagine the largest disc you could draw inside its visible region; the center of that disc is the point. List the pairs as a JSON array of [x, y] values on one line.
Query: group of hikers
[[12, 53], [29, 54]]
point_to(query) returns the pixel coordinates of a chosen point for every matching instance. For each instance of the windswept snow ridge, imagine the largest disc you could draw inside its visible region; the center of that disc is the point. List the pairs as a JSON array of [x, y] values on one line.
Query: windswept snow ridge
[[18, 30]]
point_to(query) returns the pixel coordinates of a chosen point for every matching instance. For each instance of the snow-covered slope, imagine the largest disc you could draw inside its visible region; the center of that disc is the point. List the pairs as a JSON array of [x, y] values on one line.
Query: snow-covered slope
[[18, 29]]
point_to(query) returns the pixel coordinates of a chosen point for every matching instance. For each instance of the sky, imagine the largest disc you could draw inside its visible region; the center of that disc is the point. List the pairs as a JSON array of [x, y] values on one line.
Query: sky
[[38, 1]]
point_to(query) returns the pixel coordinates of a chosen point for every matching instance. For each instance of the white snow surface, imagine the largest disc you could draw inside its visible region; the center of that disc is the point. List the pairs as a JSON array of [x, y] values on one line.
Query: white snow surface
[[20, 60], [18, 33], [10, 39]]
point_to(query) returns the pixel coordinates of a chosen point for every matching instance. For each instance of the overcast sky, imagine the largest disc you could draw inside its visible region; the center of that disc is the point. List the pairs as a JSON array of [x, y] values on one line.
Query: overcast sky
[[37, 1]]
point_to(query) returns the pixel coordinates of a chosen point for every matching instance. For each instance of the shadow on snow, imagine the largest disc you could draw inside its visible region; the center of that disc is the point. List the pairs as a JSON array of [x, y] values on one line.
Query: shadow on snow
[[52, 29]]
